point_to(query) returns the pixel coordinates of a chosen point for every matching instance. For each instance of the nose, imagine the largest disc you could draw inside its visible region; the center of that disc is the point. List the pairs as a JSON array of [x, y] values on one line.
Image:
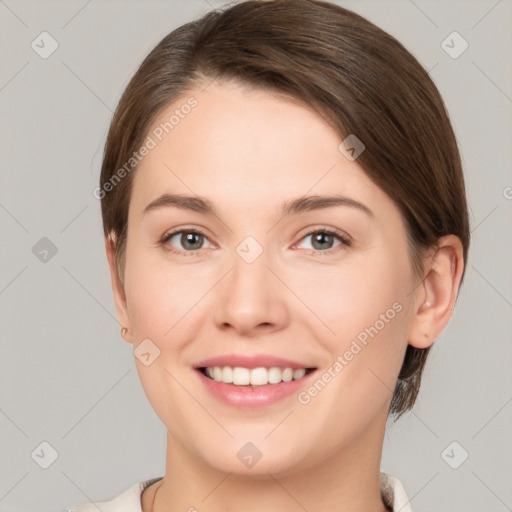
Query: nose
[[250, 299]]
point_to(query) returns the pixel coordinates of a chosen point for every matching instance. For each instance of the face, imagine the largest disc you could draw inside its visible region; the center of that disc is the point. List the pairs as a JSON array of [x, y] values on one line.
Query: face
[[232, 275]]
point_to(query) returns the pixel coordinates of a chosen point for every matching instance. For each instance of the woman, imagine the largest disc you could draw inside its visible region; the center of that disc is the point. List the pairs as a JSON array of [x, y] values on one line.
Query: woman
[[245, 141]]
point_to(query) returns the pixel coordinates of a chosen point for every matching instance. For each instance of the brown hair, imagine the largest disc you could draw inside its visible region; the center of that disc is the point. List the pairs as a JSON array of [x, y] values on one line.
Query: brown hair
[[356, 76]]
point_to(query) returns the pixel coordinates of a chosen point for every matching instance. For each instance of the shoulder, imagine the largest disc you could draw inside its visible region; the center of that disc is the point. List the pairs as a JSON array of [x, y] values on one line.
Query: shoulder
[[393, 493], [127, 501]]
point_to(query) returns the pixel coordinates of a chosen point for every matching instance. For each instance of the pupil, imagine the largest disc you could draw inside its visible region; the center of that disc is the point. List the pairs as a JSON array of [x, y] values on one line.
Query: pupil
[[189, 238], [322, 237]]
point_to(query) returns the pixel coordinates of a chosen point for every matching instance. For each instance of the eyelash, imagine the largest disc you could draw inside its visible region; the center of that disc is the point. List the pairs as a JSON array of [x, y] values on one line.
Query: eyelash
[[345, 241]]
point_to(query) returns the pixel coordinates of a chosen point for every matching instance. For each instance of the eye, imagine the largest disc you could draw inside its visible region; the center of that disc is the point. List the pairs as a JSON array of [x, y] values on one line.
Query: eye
[[190, 240], [322, 240]]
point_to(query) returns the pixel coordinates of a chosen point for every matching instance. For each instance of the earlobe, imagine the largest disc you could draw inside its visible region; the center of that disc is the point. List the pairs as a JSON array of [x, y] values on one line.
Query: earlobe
[[124, 332], [118, 290], [435, 298]]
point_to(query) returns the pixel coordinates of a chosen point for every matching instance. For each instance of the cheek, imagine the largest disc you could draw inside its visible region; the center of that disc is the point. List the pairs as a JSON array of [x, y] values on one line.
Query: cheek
[[350, 297], [160, 296], [149, 302], [360, 314], [160, 304], [366, 310]]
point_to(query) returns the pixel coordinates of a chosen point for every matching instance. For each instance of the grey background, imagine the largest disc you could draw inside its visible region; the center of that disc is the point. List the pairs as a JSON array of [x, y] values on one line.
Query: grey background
[[67, 377]]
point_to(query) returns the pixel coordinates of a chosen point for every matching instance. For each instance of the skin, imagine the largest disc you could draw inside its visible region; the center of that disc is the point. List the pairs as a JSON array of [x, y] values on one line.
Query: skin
[[247, 152]]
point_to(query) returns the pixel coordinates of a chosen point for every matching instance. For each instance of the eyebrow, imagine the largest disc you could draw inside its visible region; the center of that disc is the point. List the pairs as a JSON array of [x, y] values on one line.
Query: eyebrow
[[291, 207]]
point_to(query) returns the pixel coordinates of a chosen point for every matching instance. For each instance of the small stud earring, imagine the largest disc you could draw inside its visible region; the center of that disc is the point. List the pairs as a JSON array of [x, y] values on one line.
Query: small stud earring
[[124, 330]]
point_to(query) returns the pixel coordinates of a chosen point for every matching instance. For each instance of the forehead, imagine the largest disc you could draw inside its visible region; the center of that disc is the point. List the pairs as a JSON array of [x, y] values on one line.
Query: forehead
[[246, 148]]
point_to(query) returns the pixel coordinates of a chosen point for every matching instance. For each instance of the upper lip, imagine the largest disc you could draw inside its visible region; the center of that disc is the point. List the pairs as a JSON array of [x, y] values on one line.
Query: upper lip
[[255, 361]]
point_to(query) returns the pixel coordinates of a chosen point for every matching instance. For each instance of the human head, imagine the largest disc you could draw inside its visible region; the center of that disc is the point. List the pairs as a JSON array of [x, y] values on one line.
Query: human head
[[361, 80]]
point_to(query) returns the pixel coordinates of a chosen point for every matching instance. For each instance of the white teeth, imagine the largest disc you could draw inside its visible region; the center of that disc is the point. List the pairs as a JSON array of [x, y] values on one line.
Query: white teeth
[[227, 374], [274, 375], [217, 374], [241, 376], [257, 376], [287, 375], [298, 374]]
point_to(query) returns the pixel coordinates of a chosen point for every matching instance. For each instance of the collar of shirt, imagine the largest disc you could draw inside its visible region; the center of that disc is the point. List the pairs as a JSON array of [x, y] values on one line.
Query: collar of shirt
[[392, 491]]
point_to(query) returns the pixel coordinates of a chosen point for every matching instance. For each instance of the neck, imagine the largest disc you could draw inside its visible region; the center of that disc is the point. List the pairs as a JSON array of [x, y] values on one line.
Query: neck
[[347, 479]]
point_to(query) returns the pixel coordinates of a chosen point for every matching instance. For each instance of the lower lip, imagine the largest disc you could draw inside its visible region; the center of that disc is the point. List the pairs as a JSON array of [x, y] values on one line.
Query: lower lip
[[253, 396]]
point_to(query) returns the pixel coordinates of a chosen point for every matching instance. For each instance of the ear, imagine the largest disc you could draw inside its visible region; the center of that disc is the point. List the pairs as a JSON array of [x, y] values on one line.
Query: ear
[[118, 288], [435, 297]]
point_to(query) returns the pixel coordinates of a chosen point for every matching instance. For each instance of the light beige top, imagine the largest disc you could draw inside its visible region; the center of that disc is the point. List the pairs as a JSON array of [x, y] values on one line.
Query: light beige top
[[392, 490]]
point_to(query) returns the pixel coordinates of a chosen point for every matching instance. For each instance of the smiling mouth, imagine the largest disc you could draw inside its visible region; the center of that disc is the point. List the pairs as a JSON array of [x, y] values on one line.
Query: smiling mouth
[[239, 376]]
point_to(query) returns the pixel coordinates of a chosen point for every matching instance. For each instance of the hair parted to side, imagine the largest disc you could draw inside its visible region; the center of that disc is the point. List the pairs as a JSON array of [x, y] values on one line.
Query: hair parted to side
[[360, 79]]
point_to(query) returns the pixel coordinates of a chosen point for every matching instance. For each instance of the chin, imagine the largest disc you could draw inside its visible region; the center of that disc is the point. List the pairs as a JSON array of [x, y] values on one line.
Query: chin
[[254, 459]]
